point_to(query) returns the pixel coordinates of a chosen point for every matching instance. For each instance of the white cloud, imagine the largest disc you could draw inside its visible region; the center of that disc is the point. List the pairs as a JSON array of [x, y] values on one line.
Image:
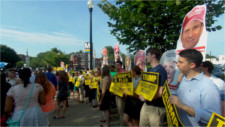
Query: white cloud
[[54, 38]]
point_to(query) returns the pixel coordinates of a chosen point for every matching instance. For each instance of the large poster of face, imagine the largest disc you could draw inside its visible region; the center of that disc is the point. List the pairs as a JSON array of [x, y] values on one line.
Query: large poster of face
[[168, 61], [117, 54], [105, 57], [128, 62], [139, 59], [193, 32]]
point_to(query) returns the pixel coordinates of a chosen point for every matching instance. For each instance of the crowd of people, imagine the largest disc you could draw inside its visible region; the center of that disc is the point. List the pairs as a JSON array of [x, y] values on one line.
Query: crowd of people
[[198, 94]]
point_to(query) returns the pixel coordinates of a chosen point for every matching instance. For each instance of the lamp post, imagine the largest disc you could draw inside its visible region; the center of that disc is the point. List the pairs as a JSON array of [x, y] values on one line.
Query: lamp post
[[90, 6]]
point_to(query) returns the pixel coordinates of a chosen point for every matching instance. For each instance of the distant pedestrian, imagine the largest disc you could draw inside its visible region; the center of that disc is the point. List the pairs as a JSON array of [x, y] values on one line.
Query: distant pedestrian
[[133, 104], [5, 86], [12, 77], [207, 67], [105, 98], [50, 93], [51, 76], [120, 101], [62, 95]]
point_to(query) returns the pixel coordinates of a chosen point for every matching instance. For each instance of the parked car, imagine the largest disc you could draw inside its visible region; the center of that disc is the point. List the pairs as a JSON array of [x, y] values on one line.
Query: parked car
[[217, 71]]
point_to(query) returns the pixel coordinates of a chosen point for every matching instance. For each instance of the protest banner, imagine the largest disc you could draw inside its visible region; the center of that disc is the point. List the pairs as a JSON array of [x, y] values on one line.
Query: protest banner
[[168, 61], [148, 85], [171, 111], [128, 61], [115, 88], [87, 80], [216, 120], [139, 60], [78, 82], [125, 81], [193, 31], [104, 58], [117, 54], [95, 82]]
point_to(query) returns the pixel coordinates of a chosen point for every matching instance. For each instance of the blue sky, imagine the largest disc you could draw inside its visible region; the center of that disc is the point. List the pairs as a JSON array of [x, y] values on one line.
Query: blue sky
[[41, 25]]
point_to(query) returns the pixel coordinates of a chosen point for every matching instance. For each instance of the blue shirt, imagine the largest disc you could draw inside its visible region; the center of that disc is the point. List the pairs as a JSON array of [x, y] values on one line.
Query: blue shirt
[[51, 77], [202, 95]]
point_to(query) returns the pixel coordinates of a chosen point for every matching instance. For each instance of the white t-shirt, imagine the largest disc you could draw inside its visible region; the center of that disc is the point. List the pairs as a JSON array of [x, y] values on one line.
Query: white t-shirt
[[220, 85]]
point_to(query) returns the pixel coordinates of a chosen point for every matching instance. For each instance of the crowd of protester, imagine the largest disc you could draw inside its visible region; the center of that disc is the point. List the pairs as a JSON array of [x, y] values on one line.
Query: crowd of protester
[[194, 99]]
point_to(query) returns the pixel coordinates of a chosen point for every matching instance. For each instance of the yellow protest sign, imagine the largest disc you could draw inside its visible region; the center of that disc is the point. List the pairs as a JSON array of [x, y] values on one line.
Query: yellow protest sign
[[78, 82], [171, 111], [148, 85], [95, 82], [87, 80], [216, 120], [115, 87], [125, 81]]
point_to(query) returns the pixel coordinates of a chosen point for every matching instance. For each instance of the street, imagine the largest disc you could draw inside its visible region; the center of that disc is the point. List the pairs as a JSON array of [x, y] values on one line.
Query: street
[[81, 115]]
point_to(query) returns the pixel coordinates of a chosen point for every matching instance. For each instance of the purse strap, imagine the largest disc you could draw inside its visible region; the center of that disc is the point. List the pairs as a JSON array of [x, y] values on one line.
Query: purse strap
[[27, 102]]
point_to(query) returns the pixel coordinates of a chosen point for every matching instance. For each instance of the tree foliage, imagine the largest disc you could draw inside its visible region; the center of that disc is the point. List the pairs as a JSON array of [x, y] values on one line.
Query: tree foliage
[[8, 55], [50, 58], [144, 23]]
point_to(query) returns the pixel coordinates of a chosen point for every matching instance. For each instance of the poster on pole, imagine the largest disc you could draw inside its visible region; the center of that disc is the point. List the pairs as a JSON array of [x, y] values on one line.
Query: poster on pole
[[148, 85], [171, 111], [128, 61], [168, 61], [193, 32], [104, 58], [216, 120], [139, 60], [117, 54]]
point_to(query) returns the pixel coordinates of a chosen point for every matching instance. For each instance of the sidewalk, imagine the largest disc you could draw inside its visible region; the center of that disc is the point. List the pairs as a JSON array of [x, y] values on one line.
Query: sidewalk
[[81, 115]]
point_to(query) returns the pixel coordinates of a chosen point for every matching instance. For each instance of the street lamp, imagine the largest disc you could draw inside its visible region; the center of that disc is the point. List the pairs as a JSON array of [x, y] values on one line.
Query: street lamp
[[90, 6]]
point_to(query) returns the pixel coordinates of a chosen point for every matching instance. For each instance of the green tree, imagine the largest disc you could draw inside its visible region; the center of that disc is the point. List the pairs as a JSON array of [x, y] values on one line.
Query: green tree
[[20, 64], [144, 23], [210, 56], [110, 53], [8, 55], [50, 58]]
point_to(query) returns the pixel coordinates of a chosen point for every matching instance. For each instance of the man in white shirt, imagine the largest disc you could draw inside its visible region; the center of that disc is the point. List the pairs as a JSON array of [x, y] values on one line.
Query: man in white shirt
[[207, 68]]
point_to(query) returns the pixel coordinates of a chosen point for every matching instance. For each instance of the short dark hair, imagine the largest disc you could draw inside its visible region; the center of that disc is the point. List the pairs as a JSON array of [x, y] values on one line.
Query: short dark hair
[[193, 56], [136, 69], [209, 65], [154, 51], [120, 62], [50, 68]]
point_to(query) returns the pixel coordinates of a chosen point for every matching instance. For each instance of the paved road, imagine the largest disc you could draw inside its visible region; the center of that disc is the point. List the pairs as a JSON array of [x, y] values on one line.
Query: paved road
[[81, 115]]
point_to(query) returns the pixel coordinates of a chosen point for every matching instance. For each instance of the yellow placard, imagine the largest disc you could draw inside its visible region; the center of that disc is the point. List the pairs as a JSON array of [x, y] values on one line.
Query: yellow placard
[[125, 81], [171, 111], [148, 85], [95, 82], [77, 84], [216, 120], [115, 88], [87, 80]]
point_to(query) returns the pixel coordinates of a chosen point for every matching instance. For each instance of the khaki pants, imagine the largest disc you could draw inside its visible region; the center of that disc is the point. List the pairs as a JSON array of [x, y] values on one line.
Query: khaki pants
[[81, 92], [151, 115], [120, 104]]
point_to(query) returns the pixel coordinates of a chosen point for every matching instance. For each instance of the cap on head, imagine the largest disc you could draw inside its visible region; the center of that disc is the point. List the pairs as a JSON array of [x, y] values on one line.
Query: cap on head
[[197, 13]]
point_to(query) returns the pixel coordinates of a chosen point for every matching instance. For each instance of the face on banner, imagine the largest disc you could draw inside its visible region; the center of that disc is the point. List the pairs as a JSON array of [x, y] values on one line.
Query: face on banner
[[117, 53], [193, 32], [127, 63], [139, 59], [168, 62], [105, 57]]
